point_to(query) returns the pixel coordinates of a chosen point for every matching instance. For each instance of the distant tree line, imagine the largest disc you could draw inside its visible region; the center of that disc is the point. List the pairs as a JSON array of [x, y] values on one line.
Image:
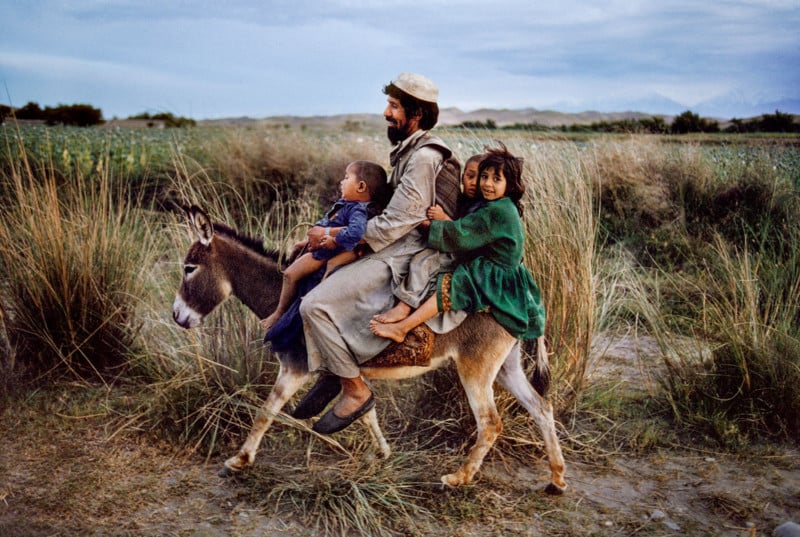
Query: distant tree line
[[168, 118], [81, 115], [685, 123], [777, 122]]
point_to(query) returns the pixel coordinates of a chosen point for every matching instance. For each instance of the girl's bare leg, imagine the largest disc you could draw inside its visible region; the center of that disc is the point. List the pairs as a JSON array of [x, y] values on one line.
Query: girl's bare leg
[[397, 313], [302, 267], [397, 331]]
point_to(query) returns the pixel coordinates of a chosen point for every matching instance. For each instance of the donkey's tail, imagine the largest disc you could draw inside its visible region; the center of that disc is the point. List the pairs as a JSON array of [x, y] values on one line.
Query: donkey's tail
[[541, 373]]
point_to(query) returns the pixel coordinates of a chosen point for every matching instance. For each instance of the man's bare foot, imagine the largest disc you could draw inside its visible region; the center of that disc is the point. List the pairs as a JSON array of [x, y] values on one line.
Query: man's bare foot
[[392, 331], [355, 393], [349, 403], [270, 320], [400, 311]]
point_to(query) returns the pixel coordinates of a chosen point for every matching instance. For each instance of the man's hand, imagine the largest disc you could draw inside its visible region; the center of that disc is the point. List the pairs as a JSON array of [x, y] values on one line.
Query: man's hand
[[327, 243], [314, 237]]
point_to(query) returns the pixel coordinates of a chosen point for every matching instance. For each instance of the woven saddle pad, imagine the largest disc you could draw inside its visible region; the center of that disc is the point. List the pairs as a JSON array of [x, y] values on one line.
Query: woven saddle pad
[[415, 350]]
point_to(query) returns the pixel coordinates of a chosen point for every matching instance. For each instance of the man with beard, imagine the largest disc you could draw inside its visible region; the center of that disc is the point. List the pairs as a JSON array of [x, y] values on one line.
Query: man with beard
[[336, 314]]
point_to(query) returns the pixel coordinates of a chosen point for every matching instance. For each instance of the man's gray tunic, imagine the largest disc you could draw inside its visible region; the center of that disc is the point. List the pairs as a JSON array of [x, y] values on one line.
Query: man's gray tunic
[[336, 314]]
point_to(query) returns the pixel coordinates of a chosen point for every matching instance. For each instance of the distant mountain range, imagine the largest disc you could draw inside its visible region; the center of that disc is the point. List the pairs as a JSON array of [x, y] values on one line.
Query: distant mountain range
[[566, 114], [734, 104], [549, 118]]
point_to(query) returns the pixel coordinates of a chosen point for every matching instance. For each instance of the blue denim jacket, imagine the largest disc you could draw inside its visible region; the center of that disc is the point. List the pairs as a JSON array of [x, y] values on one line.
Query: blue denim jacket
[[352, 215]]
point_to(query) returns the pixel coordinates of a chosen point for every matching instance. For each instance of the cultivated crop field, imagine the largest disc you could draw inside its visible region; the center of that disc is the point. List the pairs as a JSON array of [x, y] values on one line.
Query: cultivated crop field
[[670, 268]]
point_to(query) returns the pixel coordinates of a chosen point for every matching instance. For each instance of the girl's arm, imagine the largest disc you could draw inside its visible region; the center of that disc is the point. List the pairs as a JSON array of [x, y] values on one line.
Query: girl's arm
[[476, 230], [437, 213]]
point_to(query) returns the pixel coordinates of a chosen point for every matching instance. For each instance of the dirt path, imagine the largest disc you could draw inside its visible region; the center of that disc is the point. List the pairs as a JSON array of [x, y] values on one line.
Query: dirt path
[[62, 475]]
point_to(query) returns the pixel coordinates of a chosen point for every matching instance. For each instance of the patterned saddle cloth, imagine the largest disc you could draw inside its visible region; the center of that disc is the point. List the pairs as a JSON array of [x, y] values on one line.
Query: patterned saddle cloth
[[415, 350]]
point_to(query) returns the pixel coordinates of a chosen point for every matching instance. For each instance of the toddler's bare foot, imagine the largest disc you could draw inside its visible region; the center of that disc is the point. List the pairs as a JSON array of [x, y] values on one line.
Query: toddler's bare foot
[[390, 331], [400, 311], [267, 322]]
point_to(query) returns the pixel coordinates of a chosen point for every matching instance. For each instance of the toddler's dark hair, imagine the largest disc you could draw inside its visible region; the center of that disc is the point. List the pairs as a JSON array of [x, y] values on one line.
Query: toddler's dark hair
[[474, 158], [375, 177], [499, 159]]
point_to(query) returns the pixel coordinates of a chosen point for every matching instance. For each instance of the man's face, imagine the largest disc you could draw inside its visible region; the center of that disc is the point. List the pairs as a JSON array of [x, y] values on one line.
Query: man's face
[[400, 127]]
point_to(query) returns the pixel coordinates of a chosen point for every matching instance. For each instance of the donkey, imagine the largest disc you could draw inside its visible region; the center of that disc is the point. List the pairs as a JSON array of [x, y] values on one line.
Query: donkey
[[223, 262]]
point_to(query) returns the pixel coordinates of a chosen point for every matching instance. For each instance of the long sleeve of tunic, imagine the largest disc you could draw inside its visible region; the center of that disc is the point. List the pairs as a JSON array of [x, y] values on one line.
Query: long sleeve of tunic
[[414, 179], [493, 277]]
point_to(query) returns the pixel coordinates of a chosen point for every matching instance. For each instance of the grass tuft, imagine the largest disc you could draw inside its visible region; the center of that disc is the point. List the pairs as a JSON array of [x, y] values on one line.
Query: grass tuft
[[74, 271]]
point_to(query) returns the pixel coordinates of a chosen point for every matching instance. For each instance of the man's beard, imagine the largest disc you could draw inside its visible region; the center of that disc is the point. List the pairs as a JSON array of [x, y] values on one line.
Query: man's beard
[[396, 134]]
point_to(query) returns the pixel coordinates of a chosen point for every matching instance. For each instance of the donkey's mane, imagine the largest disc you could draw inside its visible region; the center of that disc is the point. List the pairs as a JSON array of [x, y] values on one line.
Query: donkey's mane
[[251, 243]]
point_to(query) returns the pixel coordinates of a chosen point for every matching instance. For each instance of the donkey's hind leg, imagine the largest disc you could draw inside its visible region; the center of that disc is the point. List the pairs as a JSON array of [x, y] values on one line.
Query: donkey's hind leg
[[287, 383], [512, 378], [477, 372]]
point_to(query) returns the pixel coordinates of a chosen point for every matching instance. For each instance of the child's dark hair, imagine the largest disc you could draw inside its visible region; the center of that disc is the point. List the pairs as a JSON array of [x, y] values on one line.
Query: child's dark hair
[[499, 159], [374, 176], [474, 158]]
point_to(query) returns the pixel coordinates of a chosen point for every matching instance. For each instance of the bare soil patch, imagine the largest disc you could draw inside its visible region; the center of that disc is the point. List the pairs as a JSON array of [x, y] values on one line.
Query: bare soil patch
[[61, 474]]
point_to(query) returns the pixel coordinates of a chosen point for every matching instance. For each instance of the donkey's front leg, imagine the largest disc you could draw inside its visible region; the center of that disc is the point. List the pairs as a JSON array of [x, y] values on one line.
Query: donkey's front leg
[[286, 385], [370, 419]]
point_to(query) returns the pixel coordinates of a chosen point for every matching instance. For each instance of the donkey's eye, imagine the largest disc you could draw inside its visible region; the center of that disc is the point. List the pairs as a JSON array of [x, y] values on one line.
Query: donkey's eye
[[188, 269]]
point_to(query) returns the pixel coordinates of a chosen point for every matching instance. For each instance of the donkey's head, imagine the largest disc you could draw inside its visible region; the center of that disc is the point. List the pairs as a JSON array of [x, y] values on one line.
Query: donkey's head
[[220, 263], [205, 282]]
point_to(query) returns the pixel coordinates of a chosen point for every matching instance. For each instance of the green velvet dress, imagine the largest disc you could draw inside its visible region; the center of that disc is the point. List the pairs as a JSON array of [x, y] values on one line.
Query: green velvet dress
[[491, 277]]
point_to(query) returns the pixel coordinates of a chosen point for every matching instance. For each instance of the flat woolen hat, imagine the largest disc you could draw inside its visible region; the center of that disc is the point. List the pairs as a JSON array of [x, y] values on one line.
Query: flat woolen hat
[[417, 86]]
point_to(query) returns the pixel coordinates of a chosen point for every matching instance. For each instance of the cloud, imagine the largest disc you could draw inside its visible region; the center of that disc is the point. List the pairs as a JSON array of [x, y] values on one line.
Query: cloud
[[90, 71], [308, 57]]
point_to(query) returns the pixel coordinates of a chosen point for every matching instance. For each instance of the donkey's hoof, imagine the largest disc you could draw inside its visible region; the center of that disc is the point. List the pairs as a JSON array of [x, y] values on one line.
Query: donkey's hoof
[[554, 490], [225, 472], [454, 480], [235, 464]]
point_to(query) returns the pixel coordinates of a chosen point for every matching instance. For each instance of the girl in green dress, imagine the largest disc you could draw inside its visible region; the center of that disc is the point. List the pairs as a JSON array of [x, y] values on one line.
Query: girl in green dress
[[491, 242]]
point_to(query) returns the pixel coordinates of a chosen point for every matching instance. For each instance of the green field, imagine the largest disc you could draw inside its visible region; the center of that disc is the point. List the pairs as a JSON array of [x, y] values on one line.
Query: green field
[[672, 238]]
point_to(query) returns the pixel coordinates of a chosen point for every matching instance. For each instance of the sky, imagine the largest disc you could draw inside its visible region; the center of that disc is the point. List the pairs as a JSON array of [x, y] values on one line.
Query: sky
[[209, 59]]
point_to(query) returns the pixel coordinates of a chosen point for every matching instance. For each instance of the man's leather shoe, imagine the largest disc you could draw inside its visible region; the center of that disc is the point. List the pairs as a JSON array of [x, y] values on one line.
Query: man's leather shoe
[[323, 392], [331, 423]]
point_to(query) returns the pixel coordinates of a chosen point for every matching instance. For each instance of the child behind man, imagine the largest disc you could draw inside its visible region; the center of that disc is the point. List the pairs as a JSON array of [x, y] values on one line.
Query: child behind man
[[494, 278], [466, 203], [364, 192]]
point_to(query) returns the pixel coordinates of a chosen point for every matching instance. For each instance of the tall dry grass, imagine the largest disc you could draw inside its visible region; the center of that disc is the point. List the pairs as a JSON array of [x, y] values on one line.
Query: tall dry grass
[[262, 168], [74, 270], [560, 252], [745, 384], [711, 254]]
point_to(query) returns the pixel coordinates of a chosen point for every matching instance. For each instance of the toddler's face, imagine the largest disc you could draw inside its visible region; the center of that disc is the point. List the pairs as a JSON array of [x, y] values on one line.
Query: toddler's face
[[350, 185], [470, 180]]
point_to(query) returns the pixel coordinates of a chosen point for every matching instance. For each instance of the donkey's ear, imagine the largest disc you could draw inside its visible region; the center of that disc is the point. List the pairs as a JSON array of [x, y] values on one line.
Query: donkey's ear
[[201, 224]]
